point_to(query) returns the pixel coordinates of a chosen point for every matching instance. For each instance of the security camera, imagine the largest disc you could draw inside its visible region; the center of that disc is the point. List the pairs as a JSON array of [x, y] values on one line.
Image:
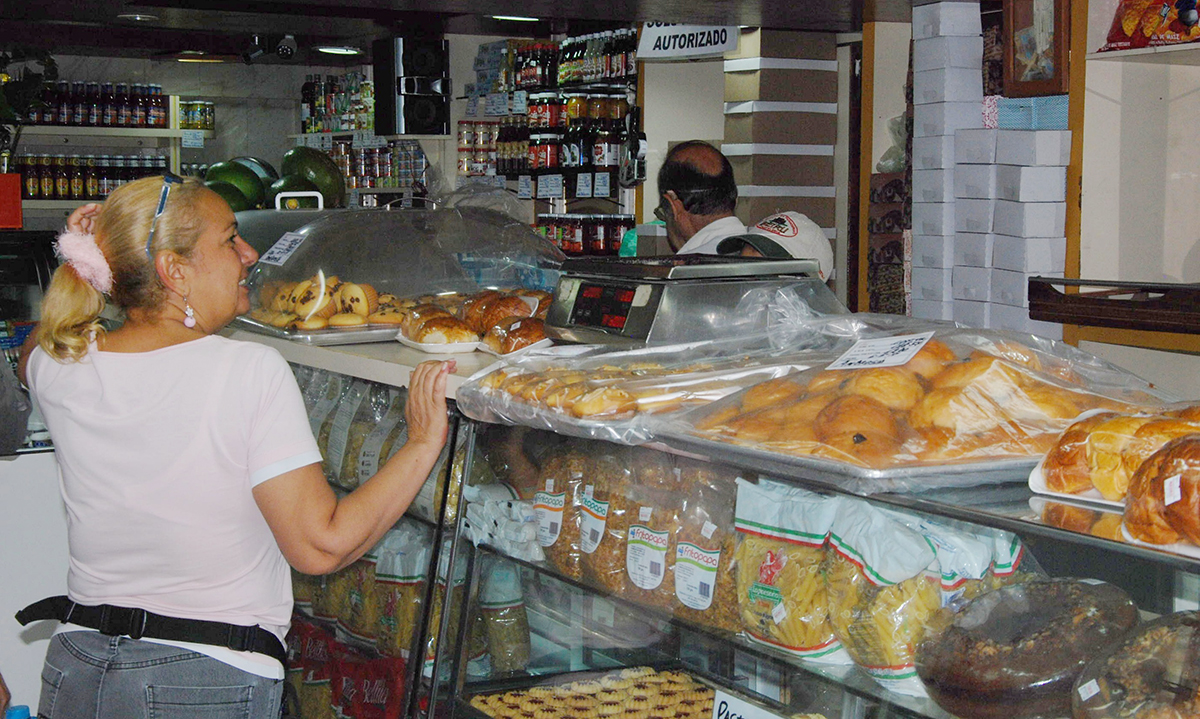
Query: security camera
[[253, 51], [286, 49]]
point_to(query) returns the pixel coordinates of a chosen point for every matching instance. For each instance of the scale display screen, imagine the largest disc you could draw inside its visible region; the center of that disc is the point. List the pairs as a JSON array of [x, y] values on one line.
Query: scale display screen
[[602, 305]]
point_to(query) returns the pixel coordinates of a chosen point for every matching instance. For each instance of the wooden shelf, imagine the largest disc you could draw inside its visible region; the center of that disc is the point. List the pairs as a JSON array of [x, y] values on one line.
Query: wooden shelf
[[1186, 54]]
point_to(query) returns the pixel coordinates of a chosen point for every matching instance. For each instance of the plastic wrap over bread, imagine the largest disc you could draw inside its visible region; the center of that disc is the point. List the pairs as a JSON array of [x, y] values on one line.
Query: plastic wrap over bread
[[964, 397]]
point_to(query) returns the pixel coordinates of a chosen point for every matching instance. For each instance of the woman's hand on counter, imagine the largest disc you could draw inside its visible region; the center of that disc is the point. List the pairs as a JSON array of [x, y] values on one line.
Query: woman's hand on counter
[[426, 406]]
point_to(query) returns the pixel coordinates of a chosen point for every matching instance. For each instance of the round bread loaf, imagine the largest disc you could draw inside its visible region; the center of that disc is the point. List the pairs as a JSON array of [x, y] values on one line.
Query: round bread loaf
[[502, 308], [1172, 474], [475, 306], [1015, 651], [1065, 468], [444, 330]]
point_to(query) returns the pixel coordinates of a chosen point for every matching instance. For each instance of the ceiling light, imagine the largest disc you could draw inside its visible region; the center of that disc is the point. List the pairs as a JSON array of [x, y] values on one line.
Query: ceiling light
[[515, 18], [339, 50], [137, 17]]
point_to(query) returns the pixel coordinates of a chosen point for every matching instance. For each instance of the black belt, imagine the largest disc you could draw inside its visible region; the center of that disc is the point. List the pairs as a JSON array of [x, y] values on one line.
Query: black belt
[[138, 623]]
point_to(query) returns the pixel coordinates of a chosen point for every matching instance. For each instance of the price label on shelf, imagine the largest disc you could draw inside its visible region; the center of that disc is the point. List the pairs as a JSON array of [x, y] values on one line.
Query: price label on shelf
[[326, 142], [550, 187], [473, 107], [520, 102], [583, 185], [496, 104], [601, 187], [193, 138], [361, 138], [524, 187]]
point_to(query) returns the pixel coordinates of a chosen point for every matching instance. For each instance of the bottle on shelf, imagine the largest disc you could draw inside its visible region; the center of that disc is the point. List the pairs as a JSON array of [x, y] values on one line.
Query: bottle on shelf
[[91, 179], [79, 104], [95, 110], [75, 177], [137, 105], [124, 113]]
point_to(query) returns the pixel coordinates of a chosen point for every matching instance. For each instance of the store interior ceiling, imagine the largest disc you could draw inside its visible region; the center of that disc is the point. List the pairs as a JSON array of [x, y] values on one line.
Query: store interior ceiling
[[161, 29]]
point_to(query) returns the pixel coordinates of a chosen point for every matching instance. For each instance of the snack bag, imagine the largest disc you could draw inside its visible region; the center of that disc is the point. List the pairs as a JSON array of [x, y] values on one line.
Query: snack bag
[[557, 507], [506, 623], [781, 546], [1147, 23], [883, 589], [703, 546], [604, 521], [653, 501]]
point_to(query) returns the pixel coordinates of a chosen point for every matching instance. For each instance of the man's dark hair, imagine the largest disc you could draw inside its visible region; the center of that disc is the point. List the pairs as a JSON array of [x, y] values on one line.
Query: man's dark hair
[[700, 193]]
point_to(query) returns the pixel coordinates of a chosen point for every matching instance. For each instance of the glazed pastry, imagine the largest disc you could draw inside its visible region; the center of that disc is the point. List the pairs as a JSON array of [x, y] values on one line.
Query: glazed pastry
[[1164, 494], [501, 308], [474, 308], [893, 387], [514, 333], [1106, 442], [1065, 468], [1150, 437], [445, 330], [419, 315]]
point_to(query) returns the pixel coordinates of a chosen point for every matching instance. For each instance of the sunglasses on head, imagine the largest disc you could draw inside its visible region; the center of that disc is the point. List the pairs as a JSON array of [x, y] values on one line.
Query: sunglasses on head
[[168, 180]]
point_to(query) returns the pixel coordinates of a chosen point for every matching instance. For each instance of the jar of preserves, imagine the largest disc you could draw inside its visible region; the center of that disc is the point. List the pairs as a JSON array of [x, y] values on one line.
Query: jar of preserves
[[208, 116], [572, 240], [576, 106], [618, 106], [597, 106]]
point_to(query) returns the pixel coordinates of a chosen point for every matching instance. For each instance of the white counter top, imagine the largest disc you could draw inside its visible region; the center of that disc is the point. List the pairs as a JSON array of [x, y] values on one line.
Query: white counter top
[[387, 362]]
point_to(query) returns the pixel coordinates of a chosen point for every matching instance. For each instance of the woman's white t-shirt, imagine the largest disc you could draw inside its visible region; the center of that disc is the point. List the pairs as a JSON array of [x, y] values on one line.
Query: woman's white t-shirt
[[158, 452]]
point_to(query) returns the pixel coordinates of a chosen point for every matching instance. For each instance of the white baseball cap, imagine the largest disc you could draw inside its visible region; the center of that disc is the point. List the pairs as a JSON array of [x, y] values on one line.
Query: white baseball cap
[[790, 234]]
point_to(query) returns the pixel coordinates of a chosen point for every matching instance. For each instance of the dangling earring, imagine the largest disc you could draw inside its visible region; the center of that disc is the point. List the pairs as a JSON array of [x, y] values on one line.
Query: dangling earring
[[190, 320]]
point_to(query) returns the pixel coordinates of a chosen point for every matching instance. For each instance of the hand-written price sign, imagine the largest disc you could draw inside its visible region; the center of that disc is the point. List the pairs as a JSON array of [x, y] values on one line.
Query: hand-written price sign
[[524, 187], [583, 185], [282, 249], [550, 187], [882, 352]]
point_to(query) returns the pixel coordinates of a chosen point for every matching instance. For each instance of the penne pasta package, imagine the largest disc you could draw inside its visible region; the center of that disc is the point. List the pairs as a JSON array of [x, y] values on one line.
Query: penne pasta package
[[782, 535], [883, 584]]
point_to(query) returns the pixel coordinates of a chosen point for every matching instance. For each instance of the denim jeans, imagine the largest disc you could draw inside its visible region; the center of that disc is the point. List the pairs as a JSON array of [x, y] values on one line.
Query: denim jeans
[[93, 676]]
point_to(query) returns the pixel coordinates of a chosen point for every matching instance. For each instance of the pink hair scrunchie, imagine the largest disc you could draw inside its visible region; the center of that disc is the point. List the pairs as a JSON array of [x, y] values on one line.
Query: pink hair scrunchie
[[81, 252]]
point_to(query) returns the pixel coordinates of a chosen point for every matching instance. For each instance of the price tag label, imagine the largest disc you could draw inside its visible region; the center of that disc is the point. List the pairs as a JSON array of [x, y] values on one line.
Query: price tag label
[[550, 187], [326, 142], [520, 103], [882, 352], [524, 187], [496, 104], [473, 107], [193, 138], [583, 185], [361, 138], [282, 249], [1171, 490], [1089, 690], [727, 706], [601, 187]]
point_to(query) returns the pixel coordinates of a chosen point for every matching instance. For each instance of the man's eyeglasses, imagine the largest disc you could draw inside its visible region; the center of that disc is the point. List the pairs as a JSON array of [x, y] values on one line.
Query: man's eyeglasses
[[168, 180]]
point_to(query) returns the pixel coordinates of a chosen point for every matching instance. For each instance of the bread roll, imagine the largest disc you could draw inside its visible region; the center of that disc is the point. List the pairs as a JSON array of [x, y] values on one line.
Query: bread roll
[[604, 402], [501, 308], [772, 392], [894, 387], [1106, 442], [1014, 352], [804, 411], [858, 427], [961, 410], [445, 330], [418, 315], [827, 380], [1038, 401], [347, 319], [931, 359], [1065, 468], [1148, 517], [475, 306], [1150, 437], [994, 377]]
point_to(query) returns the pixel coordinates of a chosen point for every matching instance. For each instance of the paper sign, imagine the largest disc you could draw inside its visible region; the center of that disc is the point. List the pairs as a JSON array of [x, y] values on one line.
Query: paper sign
[[583, 185], [550, 187], [520, 102], [524, 187], [1089, 690], [472, 107], [660, 41], [496, 104], [282, 249], [726, 706], [326, 142], [193, 138], [600, 187], [882, 352]]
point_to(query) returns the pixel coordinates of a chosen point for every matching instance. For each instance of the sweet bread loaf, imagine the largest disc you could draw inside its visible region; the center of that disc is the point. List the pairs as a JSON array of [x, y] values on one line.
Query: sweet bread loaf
[[1065, 468], [445, 330], [418, 315], [1164, 496], [514, 333], [1105, 445], [931, 359], [475, 307], [501, 308], [1150, 437]]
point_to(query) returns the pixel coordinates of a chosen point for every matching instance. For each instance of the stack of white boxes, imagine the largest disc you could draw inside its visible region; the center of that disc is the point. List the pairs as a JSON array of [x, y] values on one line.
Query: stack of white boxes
[[947, 96], [1010, 207]]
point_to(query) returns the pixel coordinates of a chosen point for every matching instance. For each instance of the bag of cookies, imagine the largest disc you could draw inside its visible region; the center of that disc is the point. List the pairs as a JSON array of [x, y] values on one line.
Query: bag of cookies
[[502, 604], [603, 520], [652, 503], [557, 508], [781, 547], [703, 546], [883, 586]]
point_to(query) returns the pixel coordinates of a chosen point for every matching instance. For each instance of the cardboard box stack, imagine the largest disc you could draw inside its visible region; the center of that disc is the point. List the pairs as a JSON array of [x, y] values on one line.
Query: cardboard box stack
[[947, 96]]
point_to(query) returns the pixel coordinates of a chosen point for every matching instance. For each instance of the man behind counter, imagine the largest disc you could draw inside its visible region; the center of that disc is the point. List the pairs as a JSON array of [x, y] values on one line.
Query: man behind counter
[[697, 198]]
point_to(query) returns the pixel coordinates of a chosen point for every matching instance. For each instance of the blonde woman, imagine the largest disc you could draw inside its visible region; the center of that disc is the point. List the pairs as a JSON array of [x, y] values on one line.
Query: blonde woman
[[189, 472]]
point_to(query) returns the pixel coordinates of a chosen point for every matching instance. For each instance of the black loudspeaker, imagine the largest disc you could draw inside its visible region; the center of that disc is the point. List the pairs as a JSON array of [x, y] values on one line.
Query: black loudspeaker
[[412, 86]]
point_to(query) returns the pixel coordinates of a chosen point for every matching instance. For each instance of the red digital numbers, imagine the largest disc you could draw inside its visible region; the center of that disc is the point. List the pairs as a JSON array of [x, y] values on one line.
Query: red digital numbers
[[591, 292], [625, 297], [614, 321]]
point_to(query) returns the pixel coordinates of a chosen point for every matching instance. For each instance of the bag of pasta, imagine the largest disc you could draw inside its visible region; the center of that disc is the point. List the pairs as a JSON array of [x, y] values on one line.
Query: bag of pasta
[[557, 507], [340, 426], [445, 601], [703, 546], [505, 620], [380, 421], [883, 589], [361, 620], [400, 577], [1011, 563], [332, 601], [305, 588], [603, 520], [652, 502], [781, 546]]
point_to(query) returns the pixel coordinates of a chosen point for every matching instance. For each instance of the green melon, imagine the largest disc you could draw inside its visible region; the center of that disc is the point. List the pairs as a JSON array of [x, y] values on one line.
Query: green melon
[[231, 194], [241, 177], [319, 169], [261, 167], [291, 183]]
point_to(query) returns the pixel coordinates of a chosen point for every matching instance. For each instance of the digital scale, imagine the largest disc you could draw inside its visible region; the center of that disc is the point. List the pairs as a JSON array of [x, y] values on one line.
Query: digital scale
[[675, 298]]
